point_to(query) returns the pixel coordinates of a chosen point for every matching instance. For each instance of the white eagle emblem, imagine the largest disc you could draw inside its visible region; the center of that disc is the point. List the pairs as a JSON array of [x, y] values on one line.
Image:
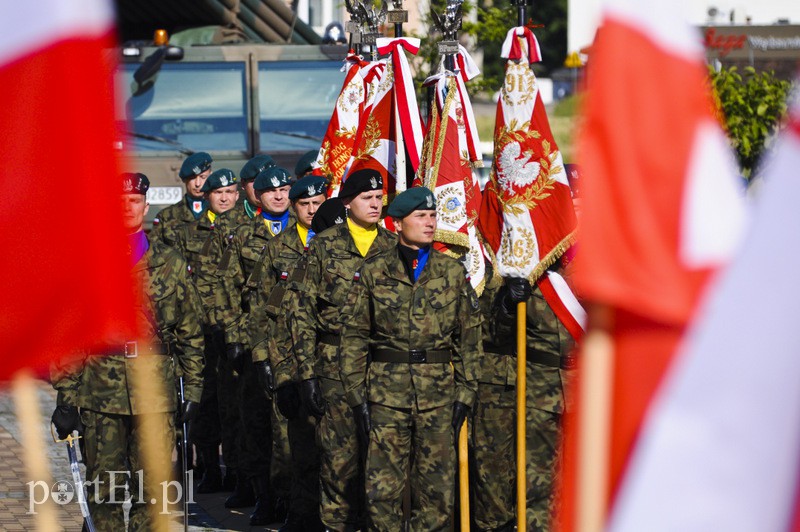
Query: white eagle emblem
[[275, 181], [429, 201], [196, 170], [312, 190], [338, 220], [373, 182], [127, 186], [516, 170], [223, 181]]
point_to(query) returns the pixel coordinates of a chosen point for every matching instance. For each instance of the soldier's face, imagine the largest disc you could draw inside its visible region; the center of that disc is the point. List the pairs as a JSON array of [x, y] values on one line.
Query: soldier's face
[[194, 184], [365, 209], [134, 209], [306, 208], [250, 192], [275, 200], [223, 199], [417, 229]]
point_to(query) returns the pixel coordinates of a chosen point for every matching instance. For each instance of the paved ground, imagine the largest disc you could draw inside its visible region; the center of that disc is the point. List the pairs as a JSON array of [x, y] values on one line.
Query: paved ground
[[207, 513]]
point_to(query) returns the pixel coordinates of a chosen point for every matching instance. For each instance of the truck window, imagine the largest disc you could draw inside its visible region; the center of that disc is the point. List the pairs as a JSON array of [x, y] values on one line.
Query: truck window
[[296, 100], [201, 106]]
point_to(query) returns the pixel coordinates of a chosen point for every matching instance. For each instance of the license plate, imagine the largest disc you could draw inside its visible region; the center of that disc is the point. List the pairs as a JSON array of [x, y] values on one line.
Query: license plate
[[164, 195]]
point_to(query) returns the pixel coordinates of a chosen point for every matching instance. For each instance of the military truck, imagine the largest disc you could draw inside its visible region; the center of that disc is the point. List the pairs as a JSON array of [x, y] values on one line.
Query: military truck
[[231, 99]]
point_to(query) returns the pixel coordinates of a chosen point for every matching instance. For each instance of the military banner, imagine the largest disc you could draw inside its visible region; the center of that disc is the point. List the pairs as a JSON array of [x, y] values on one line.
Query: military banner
[[450, 152], [527, 216]]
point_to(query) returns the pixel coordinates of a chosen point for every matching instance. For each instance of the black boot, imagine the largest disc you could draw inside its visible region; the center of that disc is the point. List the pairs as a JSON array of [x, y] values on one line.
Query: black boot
[[231, 480], [243, 495], [264, 512], [212, 479]]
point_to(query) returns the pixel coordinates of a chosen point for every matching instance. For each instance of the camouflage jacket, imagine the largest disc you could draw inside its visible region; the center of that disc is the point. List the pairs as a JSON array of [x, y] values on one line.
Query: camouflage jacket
[[272, 301], [440, 311], [243, 250], [545, 334], [169, 221], [169, 315], [498, 365], [330, 268]]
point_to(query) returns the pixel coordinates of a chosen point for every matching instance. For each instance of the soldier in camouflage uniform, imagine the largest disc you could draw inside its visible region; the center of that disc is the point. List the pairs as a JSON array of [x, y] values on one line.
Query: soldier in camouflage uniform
[[112, 411], [332, 262], [194, 172], [492, 455], [258, 433], [273, 355], [199, 242], [549, 367], [253, 167], [410, 359], [305, 164]]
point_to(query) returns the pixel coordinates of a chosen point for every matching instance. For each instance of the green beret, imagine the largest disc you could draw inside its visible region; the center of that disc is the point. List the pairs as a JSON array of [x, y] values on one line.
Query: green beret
[[272, 177], [254, 166], [308, 186], [360, 181], [412, 199], [218, 179], [134, 183], [196, 163], [305, 162]]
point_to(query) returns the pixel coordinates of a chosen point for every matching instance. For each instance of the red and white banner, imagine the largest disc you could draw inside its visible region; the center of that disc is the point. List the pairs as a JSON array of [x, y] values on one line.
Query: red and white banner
[[527, 217], [450, 152], [390, 128], [661, 208], [720, 445], [65, 277]]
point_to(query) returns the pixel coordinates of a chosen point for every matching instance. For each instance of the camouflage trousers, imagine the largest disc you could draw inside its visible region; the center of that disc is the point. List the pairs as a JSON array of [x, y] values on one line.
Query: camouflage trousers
[[112, 454], [341, 472], [205, 430], [542, 439], [228, 385], [492, 456], [424, 442], [304, 498], [264, 450]]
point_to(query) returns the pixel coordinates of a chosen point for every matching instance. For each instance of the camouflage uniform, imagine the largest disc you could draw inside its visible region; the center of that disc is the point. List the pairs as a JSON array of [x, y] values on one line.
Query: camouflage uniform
[[492, 452], [548, 370], [411, 401], [264, 447], [169, 220], [102, 386], [331, 265], [272, 341]]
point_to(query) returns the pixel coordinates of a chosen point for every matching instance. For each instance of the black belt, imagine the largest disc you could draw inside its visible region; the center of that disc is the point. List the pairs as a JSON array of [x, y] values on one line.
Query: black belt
[[133, 349], [537, 357], [412, 356], [329, 339]]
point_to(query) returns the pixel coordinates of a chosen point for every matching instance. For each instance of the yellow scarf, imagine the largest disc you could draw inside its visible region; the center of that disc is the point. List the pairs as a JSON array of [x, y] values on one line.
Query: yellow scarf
[[303, 232], [362, 237], [211, 215]]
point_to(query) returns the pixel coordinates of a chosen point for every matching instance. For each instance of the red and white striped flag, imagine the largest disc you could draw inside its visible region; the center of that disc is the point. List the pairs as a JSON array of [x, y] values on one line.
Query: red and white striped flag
[[661, 208], [450, 151], [527, 217], [65, 277], [720, 446]]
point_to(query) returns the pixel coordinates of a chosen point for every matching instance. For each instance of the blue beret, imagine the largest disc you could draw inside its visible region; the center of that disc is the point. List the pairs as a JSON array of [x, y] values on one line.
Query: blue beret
[[361, 181], [272, 177], [255, 166], [305, 163], [308, 186], [218, 179], [410, 200], [134, 183], [196, 163]]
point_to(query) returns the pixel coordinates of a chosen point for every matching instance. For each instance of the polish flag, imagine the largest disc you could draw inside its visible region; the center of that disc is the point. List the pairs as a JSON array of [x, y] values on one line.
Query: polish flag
[[720, 447], [65, 276], [662, 208]]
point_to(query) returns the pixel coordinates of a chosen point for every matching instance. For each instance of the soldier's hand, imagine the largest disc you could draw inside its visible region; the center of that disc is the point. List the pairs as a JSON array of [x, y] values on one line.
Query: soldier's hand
[[66, 419], [265, 376], [288, 399], [518, 291], [363, 424], [234, 353], [189, 411], [460, 412], [311, 394]]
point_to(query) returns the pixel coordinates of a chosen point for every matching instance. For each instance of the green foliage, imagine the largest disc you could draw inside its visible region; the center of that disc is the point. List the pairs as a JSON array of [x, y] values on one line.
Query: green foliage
[[753, 105]]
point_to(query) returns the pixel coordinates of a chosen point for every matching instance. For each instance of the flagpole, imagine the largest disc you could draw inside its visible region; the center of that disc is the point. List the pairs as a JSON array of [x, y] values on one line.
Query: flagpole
[[522, 352]]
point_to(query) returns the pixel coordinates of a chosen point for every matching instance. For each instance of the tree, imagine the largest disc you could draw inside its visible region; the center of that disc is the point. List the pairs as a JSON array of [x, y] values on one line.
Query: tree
[[753, 106]]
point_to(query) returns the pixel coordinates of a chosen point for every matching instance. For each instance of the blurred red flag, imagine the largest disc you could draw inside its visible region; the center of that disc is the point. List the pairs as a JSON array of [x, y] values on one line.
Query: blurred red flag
[[661, 206], [65, 277]]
